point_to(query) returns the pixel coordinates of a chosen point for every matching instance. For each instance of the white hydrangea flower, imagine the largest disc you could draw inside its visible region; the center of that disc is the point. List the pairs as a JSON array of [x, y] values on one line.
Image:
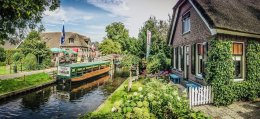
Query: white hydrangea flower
[[141, 96], [175, 93], [178, 98], [135, 93], [113, 109], [140, 89]]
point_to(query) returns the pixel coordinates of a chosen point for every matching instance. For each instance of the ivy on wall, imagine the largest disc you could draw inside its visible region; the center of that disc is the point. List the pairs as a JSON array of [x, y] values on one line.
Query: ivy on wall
[[219, 65], [253, 60], [219, 71], [220, 68]]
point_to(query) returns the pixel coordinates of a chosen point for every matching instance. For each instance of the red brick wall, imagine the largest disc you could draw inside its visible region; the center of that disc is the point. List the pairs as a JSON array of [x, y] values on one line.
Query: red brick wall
[[199, 33]]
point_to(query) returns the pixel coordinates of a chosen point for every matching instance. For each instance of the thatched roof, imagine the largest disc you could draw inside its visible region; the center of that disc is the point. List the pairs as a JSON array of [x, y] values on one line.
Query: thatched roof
[[52, 39], [236, 15]]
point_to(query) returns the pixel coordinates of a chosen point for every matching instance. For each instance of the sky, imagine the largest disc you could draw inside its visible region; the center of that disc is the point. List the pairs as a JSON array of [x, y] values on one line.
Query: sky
[[90, 17]]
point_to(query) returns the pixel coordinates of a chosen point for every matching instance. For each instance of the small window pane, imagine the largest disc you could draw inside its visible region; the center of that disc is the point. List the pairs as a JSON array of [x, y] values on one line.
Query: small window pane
[[237, 49]]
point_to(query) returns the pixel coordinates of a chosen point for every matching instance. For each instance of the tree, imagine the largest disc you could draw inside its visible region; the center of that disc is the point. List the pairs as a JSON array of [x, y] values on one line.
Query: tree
[[2, 54], [118, 33], [16, 16], [108, 46], [129, 61], [33, 44], [30, 62], [18, 59]]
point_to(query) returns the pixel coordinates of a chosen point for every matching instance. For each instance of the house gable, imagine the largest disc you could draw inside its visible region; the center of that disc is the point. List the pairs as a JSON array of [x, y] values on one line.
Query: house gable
[[199, 31]]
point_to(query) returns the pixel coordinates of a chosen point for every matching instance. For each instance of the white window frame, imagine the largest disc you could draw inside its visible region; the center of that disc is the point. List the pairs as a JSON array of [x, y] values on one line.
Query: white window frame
[[243, 61], [197, 63], [188, 21], [174, 59]]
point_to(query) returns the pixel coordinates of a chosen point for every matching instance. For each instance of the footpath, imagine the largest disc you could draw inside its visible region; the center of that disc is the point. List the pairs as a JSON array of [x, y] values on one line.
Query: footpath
[[20, 74]]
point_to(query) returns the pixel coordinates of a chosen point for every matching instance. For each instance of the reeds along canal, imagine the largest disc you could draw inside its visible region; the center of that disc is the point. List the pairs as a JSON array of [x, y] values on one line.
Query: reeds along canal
[[60, 100]]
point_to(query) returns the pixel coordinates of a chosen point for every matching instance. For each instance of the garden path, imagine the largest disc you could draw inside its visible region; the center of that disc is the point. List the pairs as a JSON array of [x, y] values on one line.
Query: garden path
[[237, 110], [20, 74]]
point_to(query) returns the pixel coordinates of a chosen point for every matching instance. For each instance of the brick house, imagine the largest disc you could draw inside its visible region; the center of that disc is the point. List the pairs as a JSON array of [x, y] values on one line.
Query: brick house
[[195, 22], [73, 41]]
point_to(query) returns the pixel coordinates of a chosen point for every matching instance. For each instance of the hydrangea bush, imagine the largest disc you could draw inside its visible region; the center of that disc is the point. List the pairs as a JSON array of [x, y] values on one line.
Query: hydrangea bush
[[155, 100]]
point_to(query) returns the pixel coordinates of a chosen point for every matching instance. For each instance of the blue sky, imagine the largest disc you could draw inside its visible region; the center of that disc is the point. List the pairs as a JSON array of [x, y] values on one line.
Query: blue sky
[[90, 17]]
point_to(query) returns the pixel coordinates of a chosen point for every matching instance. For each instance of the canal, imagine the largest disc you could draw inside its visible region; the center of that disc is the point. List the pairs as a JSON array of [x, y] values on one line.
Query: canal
[[61, 101]]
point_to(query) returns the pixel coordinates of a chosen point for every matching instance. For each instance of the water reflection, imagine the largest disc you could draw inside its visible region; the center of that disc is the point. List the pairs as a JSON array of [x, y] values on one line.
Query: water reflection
[[77, 90], [60, 101], [33, 101]]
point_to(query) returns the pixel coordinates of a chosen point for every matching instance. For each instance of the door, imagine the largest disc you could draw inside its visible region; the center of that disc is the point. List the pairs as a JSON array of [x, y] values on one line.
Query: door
[[186, 62]]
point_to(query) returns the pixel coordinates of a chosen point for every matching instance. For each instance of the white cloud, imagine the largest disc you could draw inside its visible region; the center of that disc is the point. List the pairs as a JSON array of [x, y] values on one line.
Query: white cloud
[[136, 12], [117, 7], [70, 15]]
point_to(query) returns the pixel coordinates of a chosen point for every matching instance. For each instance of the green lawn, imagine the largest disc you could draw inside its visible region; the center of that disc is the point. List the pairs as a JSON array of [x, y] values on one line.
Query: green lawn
[[117, 95], [9, 85]]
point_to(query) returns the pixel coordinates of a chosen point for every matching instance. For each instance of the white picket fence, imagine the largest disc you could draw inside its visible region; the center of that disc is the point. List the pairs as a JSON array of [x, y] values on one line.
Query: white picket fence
[[200, 95]]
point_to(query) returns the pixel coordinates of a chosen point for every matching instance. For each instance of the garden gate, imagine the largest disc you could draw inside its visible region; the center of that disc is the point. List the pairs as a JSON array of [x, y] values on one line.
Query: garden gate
[[200, 95]]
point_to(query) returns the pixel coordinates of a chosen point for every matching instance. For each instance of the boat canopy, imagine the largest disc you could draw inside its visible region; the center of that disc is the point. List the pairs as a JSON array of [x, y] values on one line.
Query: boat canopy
[[89, 64]]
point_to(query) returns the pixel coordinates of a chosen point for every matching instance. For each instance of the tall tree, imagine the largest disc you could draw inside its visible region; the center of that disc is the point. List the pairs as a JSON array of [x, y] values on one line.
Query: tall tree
[[118, 33], [17, 15], [33, 44], [160, 52], [108, 46]]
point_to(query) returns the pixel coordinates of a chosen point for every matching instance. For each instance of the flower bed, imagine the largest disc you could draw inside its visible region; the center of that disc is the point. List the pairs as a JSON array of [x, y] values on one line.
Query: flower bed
[[150, 98]]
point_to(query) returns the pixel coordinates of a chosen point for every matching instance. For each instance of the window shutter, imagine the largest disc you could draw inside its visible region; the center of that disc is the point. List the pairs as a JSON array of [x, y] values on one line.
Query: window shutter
[[193, 61]]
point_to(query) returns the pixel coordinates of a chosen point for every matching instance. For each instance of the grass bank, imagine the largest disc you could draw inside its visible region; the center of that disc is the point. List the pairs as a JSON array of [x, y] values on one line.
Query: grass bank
[[117, 95], [10, 85]]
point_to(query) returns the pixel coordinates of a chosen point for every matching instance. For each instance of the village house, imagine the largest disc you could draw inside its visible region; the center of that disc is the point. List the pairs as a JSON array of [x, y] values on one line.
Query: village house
[[73, 42], [195, 22]]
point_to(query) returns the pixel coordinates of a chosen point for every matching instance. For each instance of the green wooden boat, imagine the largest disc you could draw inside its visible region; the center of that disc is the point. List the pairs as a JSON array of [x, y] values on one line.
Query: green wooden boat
[[82, 71]]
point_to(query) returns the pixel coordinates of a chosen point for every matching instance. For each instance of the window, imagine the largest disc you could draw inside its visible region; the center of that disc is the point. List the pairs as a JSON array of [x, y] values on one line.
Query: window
[[71, 40], [186, 23], [237, 51], [200, 58], [174, 61], [201, 53], [193, 58], [176, 58], [182, 58]]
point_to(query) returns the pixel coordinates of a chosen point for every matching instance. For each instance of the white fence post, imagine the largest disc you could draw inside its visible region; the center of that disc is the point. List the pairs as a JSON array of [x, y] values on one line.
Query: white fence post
[[200, 95]]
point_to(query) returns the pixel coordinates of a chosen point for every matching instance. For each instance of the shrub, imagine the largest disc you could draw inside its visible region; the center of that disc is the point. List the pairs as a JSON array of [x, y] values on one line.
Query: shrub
[[2, 54], [30, 62], [46, 62], [156, 100], [158, 62], [2, 64]]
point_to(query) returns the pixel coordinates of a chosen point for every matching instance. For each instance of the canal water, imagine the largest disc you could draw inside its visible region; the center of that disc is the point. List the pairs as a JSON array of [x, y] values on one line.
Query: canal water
[[61, 101]]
